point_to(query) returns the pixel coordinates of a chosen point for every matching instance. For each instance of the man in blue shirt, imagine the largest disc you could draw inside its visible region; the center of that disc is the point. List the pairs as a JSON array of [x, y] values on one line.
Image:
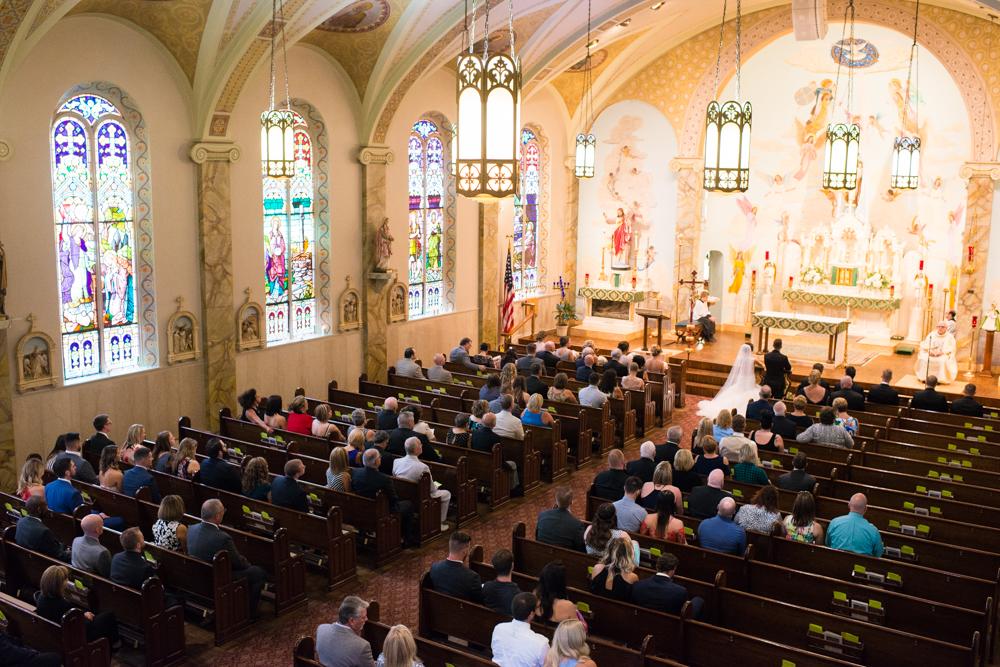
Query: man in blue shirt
[[139, 476], [720, 533], [61, 495], [630, 513], [852, 532]]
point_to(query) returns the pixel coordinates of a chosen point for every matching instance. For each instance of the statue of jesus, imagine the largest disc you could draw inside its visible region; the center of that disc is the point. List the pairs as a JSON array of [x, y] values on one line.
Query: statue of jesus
[[621, 239]]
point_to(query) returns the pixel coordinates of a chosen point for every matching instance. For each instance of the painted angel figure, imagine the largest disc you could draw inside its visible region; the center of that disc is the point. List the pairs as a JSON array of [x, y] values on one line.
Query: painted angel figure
[[874, 124], [917, 230], [778, 184], [811, 135], [750, 211], [955, 235], [739, 259]]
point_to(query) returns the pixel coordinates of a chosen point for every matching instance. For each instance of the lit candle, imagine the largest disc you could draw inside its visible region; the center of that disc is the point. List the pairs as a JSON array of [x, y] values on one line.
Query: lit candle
[[586, 276], [975, 321], [892, 290], [930, 290], [767, 255], [755, 274], [789, 282], [921, 265], [971, 249]]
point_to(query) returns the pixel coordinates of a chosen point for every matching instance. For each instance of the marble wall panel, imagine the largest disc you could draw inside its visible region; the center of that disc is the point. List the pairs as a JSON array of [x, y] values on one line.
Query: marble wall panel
[[489, 274], [9, 468], [375, 293], [689, 194], [572, 223], [977, 234]]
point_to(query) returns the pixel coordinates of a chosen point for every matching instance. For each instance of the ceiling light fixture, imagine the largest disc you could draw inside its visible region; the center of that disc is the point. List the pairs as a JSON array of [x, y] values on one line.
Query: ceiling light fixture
[[624, 24], [843, 140], [592, 44], [586, 142], [658, 5], [906, 149], [277, 133]]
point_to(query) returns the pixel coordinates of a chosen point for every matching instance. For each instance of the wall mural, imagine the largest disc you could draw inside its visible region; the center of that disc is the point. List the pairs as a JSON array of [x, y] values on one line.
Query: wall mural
[[359, 17]]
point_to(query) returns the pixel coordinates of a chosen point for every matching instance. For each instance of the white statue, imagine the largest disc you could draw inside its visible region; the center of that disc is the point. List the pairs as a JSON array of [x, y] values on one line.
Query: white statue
[[991, 318]]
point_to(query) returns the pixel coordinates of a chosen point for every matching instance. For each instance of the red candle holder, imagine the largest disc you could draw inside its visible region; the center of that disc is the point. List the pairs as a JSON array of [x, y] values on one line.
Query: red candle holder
[[767, 255], [971, 250], [789, 282], [892, 291], [975, 321], [921, 265]]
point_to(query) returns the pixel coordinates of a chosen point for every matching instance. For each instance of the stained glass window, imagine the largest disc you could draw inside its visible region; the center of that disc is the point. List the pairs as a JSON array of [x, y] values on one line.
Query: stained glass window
[[426, 223], [95, 238], [525, 250], [288, 247]]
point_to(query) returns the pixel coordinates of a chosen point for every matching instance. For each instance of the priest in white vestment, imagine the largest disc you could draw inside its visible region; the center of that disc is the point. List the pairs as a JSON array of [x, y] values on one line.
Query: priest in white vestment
[[937, 355]]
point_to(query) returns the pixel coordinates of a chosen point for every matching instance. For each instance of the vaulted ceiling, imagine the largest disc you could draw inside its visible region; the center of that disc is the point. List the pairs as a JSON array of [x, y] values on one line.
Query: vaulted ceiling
[[383, 47]]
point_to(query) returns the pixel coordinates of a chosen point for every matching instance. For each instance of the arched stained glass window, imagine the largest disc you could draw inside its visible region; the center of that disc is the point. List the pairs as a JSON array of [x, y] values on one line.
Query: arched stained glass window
[[288, 246], [426, 157], [525, 259], [95, 238]]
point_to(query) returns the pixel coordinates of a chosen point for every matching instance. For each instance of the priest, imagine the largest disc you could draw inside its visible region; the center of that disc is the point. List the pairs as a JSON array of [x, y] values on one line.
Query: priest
[[937, 355]]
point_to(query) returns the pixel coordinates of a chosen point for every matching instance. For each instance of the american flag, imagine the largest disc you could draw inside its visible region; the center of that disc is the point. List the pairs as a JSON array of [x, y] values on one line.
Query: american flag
[[508, 297]]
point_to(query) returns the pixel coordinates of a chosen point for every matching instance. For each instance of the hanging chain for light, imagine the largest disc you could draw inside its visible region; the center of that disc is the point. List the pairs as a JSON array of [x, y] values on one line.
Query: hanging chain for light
[[850, 74], [906, 149], [739, 30], [914, 53], [718, 61], [274, 19], [486, 35], [843, 140], [277, 133], [510, 9], [840, 60], [472, 28], [284, 52], [586, 142]]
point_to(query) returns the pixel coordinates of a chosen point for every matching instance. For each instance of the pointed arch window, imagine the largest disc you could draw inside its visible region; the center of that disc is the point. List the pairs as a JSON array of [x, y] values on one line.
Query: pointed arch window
[[289, 235], [426, 221], [526, 220]]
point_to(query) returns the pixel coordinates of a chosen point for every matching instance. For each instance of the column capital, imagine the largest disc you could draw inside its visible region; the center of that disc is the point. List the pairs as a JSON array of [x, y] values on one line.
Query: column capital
[[6, 149], [570, 162], [215, 151], [376, 154], [989, 170], [696, 163]]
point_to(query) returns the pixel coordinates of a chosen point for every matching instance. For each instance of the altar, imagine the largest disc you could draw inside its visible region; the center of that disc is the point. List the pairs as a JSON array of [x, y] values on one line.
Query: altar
[[608, 302], [765, 320]]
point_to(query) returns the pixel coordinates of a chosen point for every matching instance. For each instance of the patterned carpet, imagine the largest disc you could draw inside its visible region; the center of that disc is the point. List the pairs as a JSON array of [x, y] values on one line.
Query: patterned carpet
[[395, 587]]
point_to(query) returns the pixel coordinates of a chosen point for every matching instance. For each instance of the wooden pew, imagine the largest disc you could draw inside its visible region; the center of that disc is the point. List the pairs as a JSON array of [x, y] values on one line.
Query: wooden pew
[[69, 639], [944, 458], [293, 443], [965, 492], [930, 471]]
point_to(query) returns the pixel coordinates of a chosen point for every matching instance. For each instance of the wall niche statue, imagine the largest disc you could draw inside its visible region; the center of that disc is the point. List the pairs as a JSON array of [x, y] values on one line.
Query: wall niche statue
[[183, 341], [36, 357], [398, 310], [249, 326], [350, 309]]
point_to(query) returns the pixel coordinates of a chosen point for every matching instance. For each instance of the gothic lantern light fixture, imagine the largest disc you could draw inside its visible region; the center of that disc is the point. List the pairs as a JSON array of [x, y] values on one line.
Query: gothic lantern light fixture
[[586, 142], [489, 118], [840, 168], [906, 149], [727, 129], [277, 131]]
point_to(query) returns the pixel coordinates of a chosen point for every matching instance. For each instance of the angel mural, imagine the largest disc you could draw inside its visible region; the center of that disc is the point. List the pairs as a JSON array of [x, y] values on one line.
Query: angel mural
[[874, 124], [907, 108], [811, 135], [739, 259], [916, 229], [777, 184], [784, 225], [955, 219], [750, 211]]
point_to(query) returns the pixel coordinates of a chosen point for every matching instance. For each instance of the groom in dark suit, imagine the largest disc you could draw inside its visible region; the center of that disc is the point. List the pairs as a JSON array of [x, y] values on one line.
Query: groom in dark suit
[[775, 366]]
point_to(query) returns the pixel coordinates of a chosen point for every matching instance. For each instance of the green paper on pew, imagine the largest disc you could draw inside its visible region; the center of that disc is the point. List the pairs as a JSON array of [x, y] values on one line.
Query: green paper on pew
[[908, 506], [893, 523], [787, 663], [981, 438], [263, 436], [946, 494], [837, 595], [279, 438], [24, 512], [988, 427], [78, 583], [402, 395], [246, 509], [85, 495], [906, 550], [966, 464], [973, 450], [793, 450], [776, 463], [685, 504], [935, 510], [874, 604], [860, 569], [149, 556], [957, 435], [818, 629], [266, 516], [238, 451], [370, 404], [415, 399], [921, 489], [921, 528], [953, 447], [430, 388], [848, 637], [653, 551], [932, 473], [956, 478], [438, 452], [892, 576], [337, 413], [590, 569], [688, 530], [448, 664], [968, 425], [583, 606], [737, 493], [314, 496], [551, 409], [9, 508], [2, 617], [994, 415], [942, 459]]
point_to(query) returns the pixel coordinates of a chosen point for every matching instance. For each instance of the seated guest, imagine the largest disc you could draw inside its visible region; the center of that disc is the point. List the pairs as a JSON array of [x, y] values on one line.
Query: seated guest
[[519, 392], [826, 432], [30, 482], [760, 513], [17, 655], [720, 533], [368, 481], [508, 426], [134, 438], [139, 476], [632, 381], [58, 449], [855, 400], [748, 470], [407, 367], [272, 412], [703, 503], [514, 643], [60, 494], [664, 525], [710, 459], [609, 385], [459, 435], [569, 646], [340, 644], [286, 492], [798, 415], [419, 426], [554, 606], [660, 593], [754, 408], [51, 604], [437, 372], [781, 425], [558, 390], [485, 438], [403, 432], [852, 372], [663, 478], [797, 479], [206, 539], [452, 577], [386, 417], [182, 461], [32, 534], [765, 439], [602, 529], [722, 427], [814, 391], [558, 526], [546, 353], [169, 531], [491, 390], [841, 418], [460, 355], [97, 442], [499, 593], [129, 567], [564, 352], [88, 554], [250, 403], [380, 442], [338, 467], [613, 577], [643, 466], [83, 470], [525, 363], [668, 450], [630, 513], [967, 405], [591, 395], [534, 415], [584, 370], [683, 476], [398, 649], [255, 480], [610, 484], [805, 381], [218, 474], [883, 393], [299, 420], [322, 427], [165, 442], [412, 468], [615, 364], [534, 384], [355, 446], [852, 532], [801, 524], [730, 446], [483, 357]]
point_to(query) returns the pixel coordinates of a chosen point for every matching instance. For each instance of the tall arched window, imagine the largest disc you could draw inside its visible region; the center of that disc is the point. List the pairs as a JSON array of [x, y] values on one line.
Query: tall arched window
[[426, 155], [526, 222], [288, 246], [95, 237]]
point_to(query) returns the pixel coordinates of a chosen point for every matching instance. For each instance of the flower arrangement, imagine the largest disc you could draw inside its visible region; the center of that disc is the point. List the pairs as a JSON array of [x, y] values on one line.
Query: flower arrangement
[[811, 275], [876, 280]]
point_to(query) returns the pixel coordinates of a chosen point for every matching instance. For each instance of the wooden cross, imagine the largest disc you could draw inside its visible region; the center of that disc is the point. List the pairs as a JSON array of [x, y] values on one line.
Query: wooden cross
[[561, 286], [693, 282]]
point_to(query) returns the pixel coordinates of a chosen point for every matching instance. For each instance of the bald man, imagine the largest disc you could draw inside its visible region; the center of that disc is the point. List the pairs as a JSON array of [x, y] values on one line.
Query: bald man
[[610, 484], [437, 372], [852, 532], [704, 500], [88, 554], [720, 533]]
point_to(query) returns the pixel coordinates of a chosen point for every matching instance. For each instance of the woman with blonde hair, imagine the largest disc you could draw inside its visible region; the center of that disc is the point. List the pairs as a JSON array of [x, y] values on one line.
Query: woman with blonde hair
[[534, 415], [814, 392], [255, 476], [30, 482], [355, 444], [849, 423], [399, 649], [798, 415], [182, 461], [569, 646], [299, 420], [684, 478], [663, 482], [705, 427], [134, 438], [169, 531], [339, 464], [655, 363], [614, 575], [507, 375], [723, 427], [321, 426], [109, 475]]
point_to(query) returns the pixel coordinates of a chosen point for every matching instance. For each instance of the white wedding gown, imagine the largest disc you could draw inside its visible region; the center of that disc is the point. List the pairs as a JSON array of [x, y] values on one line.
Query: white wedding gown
[[740, 388]]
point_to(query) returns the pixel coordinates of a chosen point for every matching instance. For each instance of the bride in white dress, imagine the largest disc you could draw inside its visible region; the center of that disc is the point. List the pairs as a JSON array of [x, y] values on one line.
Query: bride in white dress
[[740, 388]]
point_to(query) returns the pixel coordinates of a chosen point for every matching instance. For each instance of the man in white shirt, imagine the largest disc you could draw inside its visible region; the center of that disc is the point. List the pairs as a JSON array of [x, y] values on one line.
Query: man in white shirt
[[411, 467], [515, 644], [508, 425], [590, 395], [704, 318]]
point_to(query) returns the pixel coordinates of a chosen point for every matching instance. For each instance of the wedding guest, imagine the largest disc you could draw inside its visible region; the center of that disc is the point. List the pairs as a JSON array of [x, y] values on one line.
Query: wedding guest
[[52, 604], [799, 416], [554, 605], [631, 381], [849, 423], [322, 427], [569, 646], [272, 413], [781, 425], [826, 432], [30, 482], [815, 393], [339, 466], [613, 577], [664, 525], [747, 470], [662, 483], [161, 450], [801, 524], [683, 477], [490, 390], [534, 415], [609, 385], [723, 426], [299, 420], [182, 461], [765, 439], [558, 390], [255, 481], [644, 466], [169, 531], [655, 363], [249, 401], [59, 448], [761, 512], [459, 434], [711, 459]]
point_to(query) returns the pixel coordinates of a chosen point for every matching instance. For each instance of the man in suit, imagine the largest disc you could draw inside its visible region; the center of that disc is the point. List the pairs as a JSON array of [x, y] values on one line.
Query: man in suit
[[100, 440], [525, 363], [437, 372], [129, 568], [452, 577], [412, 468], [340, 644], [798, 479], [286, 492], [643, 466], [88, 553], [534, 383], [584, 369], [380, 442], [60, 495], [546, 354], [754, 408], [84, 471], [403, 432], [776, 365], [386, 417], [703, 503], [558, 526], [852, 372], [218, 474], [32, 534], [484, 438], [805, 381], [967, 405], [883, 394], [615, 363], [139, 476], [460, 355], [584, 353], [855, 401], [610, 484], [407, 367], [929, 398], [660, 593], [206, 539], [781, 425], [368, 481], [668, 450]]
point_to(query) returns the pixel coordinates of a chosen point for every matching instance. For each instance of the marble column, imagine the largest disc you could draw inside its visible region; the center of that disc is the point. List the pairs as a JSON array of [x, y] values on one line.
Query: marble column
[[689, 196], [375, 292], [572, 223], [218, 315], [979, 211], [8, 457], [489, 274]]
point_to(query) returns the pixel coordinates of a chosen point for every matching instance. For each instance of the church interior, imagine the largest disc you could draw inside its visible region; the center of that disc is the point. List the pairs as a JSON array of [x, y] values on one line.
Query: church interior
[[668, 178]]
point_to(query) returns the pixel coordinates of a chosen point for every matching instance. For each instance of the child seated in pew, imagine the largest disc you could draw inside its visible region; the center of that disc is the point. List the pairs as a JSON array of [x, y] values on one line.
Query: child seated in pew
[[50, 604]]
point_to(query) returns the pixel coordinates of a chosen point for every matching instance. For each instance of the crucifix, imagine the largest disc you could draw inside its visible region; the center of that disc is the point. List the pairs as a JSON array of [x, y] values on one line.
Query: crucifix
[[689, 333]]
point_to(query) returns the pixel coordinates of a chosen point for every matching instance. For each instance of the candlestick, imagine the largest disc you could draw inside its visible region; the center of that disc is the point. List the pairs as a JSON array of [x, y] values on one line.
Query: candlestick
[[789, 282], [975, 320], [892, 290]]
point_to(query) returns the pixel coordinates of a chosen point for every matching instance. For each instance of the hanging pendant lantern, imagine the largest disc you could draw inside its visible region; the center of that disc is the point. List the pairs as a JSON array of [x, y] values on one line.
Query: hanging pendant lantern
[[586, 146], [906, 149], [277, 133], [840, 171]]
